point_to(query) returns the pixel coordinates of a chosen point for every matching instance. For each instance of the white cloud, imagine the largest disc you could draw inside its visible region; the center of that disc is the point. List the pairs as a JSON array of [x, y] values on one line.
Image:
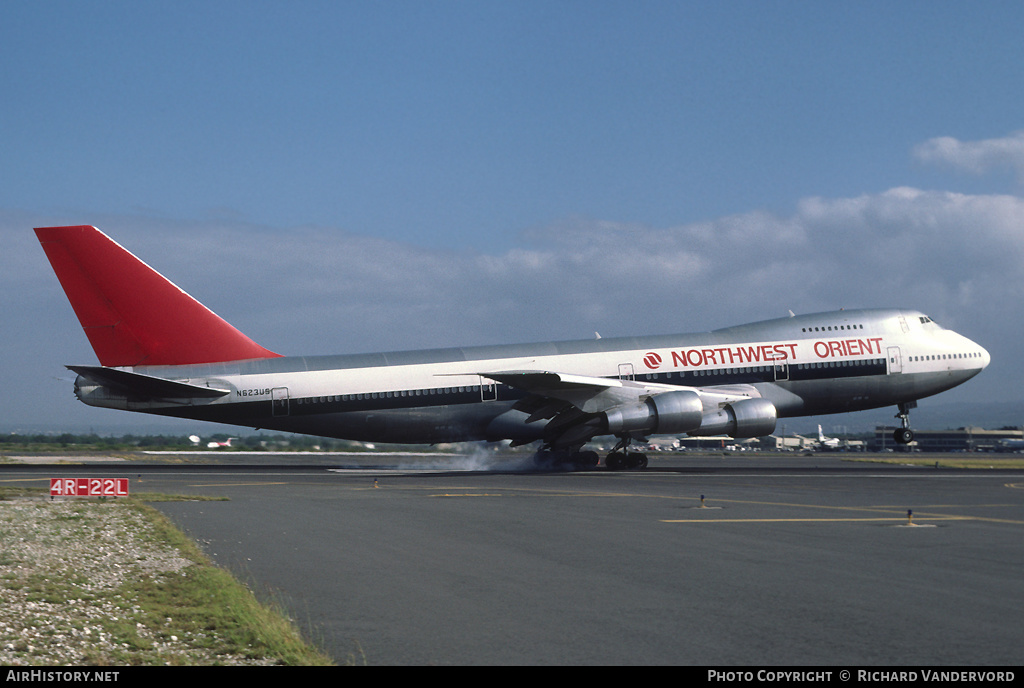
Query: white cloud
[[321, 290], [976, 157]]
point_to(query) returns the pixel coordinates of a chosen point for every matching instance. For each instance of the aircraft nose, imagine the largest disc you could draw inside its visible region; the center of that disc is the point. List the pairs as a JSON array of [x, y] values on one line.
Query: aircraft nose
[[983, 352]]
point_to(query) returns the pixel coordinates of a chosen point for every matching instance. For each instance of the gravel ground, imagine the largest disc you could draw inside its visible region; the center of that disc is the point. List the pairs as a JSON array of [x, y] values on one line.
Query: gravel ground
[[62, 566]]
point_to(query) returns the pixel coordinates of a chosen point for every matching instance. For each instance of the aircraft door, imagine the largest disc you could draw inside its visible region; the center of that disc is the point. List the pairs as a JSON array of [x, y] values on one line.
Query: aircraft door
[[626, 371], [895, 360], [488, 390], [279, 401]]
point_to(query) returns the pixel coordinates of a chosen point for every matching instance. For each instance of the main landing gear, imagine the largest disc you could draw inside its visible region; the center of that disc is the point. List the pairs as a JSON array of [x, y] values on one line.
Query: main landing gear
[[904, 435], [620, 459], [576, 459]]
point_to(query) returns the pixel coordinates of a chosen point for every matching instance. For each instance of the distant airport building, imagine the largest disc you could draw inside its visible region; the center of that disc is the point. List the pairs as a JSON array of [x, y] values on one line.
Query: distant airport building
[[969, 439]]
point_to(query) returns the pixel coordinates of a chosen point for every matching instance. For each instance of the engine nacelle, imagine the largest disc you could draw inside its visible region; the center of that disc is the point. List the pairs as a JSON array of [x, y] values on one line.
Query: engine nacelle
[[745, 418], [662, 414]]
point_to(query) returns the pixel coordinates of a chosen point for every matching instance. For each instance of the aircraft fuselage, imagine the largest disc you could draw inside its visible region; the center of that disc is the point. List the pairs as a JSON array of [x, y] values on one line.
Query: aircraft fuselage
[[803, 365]]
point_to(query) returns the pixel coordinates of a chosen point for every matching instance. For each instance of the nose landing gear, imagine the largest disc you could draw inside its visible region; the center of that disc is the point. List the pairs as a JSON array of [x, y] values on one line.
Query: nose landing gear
[[904, 435]]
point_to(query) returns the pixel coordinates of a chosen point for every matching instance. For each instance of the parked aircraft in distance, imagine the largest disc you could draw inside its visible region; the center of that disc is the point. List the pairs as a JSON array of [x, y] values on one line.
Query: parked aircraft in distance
[[1010, 445], [162, 352], [827, 442]]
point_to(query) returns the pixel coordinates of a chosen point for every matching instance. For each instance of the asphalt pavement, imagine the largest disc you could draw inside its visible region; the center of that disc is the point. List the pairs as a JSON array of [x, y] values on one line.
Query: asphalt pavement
[[783, 562]]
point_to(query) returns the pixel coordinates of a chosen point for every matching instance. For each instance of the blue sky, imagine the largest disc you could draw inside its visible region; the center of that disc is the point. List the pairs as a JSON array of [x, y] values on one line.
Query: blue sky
[[353, 176]]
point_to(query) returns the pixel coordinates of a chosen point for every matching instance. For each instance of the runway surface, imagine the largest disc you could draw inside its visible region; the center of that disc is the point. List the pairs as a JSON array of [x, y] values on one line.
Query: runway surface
[[789, 562]]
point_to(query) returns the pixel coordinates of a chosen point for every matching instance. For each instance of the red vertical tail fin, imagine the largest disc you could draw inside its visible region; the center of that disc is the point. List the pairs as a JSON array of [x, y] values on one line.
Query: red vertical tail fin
[[131, 313]]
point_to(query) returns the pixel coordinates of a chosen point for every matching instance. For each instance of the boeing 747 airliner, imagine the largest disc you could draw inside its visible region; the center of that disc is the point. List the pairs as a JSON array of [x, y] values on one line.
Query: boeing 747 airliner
[[162, 352]]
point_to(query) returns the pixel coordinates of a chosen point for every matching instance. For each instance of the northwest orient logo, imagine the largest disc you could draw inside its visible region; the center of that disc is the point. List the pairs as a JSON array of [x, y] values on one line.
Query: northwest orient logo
[[652, 361]]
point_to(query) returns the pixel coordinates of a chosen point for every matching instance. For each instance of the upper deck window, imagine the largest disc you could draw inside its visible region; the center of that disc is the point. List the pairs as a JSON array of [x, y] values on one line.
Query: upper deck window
[[830, 328]]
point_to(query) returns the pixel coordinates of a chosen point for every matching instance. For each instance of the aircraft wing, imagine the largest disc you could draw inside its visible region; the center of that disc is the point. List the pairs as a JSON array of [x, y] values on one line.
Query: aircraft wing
[[575, 404], [597, 394], [588, 394]]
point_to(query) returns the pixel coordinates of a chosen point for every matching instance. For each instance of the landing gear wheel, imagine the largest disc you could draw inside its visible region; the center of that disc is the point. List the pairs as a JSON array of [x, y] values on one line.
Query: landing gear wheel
[[903, 435], [615, 461], [636, 460]]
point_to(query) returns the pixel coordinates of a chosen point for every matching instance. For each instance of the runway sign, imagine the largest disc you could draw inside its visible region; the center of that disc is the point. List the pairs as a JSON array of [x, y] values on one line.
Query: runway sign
[[88, 487]]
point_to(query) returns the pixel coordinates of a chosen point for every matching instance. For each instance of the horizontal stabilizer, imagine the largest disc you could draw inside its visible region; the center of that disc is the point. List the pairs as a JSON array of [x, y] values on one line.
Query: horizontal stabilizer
[[145, 386]]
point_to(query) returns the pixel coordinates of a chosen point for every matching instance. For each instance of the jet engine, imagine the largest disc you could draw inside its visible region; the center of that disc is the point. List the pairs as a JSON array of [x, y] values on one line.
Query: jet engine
[[744, 418], [662, 414]]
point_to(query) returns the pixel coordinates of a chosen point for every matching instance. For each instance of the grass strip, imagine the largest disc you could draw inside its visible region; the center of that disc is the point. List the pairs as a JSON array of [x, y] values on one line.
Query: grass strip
[[116, 583], [208, 602]]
